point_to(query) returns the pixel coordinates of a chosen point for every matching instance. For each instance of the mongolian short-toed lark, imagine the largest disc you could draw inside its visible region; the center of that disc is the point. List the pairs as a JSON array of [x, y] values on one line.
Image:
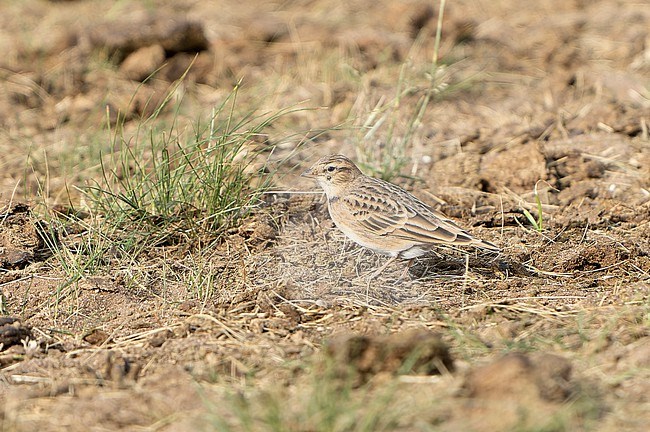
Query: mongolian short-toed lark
[[384, 217]]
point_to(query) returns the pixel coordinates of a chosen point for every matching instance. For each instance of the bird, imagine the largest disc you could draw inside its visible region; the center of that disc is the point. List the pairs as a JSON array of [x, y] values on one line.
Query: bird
[[382, 216]]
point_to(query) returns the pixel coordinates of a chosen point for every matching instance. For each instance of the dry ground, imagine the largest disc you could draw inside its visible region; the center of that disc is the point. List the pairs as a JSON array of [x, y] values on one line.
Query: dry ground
[[275, 327]]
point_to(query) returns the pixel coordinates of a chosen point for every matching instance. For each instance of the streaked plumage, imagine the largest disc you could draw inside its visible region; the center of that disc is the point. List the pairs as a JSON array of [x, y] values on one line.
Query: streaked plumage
[[382, 216]]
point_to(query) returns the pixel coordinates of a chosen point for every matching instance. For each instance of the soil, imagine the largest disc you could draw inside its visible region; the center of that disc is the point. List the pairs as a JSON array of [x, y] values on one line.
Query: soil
[[544, 105]]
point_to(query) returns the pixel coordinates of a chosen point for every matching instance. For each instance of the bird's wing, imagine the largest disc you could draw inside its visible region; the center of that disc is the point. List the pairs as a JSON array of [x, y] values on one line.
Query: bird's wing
[[386, 209], [441, 229], [376, 212], [430, 226]]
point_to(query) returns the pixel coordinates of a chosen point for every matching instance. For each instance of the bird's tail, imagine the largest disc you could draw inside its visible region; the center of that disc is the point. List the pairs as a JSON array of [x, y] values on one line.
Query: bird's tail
[[483, 244]]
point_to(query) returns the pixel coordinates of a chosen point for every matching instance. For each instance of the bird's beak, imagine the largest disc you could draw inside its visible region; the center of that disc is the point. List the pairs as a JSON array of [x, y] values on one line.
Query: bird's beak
[[309, 173]]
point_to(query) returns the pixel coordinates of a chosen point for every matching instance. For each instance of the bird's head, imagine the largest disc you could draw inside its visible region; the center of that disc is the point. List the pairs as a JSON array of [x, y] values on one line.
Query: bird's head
[[333, 173]]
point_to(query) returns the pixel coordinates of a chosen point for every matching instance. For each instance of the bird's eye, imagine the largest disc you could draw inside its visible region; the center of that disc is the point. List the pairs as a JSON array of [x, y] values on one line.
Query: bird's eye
[[331, 168]]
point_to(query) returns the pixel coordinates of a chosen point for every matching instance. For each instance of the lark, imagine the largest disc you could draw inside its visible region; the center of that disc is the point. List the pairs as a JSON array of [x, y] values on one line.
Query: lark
[[384, 217]]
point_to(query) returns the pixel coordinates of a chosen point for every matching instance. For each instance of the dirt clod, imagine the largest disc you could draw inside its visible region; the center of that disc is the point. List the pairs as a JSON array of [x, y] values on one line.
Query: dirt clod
[[19, 238], [521, 376], [96, 337], [130, 33], [409, 352], [143, 62], [517, 389], [13, 332]]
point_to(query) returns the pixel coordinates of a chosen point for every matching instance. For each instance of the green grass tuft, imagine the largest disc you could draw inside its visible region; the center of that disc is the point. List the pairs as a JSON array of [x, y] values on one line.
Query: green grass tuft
[[386, 156], [166, 185]]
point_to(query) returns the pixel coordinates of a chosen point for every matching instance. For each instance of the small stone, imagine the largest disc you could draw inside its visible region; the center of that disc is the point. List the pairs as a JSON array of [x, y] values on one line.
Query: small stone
[[142, 63]]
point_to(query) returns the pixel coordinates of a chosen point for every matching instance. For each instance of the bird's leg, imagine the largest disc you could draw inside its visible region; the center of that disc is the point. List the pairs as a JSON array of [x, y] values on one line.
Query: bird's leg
[[406, 270], [382, 268], [377, 273]]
